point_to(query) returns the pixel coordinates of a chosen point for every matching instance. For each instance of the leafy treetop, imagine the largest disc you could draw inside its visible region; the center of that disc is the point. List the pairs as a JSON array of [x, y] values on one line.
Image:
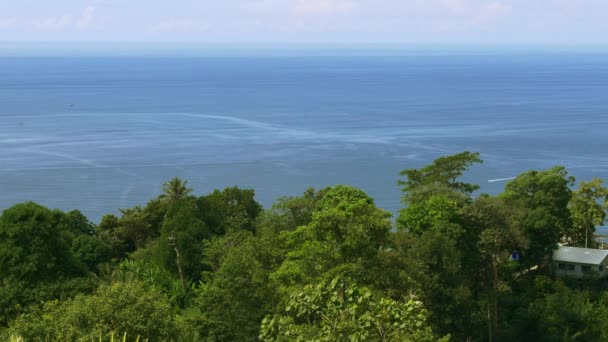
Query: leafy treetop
[[443, 173]]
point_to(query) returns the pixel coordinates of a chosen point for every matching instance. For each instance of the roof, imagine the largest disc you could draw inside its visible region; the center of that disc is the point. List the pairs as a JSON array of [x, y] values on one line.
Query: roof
[[580, 255]]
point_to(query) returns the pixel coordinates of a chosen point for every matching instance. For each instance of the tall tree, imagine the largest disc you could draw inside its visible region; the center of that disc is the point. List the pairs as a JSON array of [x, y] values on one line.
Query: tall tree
[[288, 213], [440, 175], [230, 209], [344, 236], [498, 238], [34, 253], [340, 310], [175, 191], [542, 198], [108, 231], [241, 264], [181, 241], [588, 208]]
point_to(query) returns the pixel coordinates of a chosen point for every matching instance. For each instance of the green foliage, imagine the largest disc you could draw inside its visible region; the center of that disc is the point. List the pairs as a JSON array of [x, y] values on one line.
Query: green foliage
[[434, 263], [32, 247], [323, 266], [153, 276], [76, 223], [183, 232], [174, 191], [91, 251], [288, 213], [230, 209], [438, 212], [349, 219], [17, 297], [237, 292], [156, 210], [542, 198], [438, 177], [149, 252], [340, 310], [134, 225], [498, 238], [569, 315], [119, 307], [34, 253], [108, 231], [588, 208], [344, 236]]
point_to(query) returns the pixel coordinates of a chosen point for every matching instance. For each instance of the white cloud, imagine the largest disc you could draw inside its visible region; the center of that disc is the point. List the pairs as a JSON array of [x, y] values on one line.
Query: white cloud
[[455, 5], [322, 7], [7, 22], [180, 25], [493, 12], [86, 18], [57, 23]]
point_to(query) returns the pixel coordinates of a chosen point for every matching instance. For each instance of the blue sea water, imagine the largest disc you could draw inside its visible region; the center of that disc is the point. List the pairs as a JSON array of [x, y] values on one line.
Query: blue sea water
[[97, 133]]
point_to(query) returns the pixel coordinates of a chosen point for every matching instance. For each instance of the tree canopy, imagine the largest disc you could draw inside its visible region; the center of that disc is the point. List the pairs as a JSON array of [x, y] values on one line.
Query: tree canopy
[[327, 265]]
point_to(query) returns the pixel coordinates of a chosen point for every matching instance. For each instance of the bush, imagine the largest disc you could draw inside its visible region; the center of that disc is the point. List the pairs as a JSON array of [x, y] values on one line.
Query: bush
[[119, 308]]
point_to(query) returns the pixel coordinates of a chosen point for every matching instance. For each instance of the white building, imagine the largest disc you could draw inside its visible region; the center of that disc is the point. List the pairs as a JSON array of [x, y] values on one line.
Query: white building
[[577, 262]]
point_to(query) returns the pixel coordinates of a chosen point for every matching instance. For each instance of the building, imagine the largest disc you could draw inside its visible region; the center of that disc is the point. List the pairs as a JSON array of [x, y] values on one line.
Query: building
[[578, 262]]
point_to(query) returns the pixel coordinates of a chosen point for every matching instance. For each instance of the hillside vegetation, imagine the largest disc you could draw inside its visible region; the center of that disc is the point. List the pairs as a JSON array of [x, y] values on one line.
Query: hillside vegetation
[[328, 265]]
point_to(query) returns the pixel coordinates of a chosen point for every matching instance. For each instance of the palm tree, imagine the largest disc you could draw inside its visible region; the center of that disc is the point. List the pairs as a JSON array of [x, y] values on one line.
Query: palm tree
[[174, 191]]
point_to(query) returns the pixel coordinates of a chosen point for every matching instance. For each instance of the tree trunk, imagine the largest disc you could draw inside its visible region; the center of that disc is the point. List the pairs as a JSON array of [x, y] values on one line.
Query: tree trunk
[[493, 302], [495, 298], [177, 259], [489, 322]]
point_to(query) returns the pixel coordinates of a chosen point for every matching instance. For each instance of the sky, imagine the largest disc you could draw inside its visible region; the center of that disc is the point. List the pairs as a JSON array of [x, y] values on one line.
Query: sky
[[551, 22]]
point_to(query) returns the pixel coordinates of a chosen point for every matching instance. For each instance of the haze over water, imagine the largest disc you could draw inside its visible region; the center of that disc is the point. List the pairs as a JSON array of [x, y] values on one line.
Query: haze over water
[[99, 133]]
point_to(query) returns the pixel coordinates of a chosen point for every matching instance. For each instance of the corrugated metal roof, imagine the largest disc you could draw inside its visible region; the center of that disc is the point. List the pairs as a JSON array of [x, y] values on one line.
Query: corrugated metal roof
[[580, 255]]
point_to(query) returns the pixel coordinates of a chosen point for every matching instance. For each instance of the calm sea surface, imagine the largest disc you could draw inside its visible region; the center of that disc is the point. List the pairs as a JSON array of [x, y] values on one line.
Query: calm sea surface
[[101, 133]]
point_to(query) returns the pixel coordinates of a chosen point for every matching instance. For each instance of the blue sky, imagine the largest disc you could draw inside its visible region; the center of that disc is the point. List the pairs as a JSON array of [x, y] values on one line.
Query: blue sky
[[308, 21]]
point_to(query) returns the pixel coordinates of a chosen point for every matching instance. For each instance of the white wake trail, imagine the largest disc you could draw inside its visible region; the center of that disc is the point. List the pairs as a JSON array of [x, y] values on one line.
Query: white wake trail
[[500, 179]]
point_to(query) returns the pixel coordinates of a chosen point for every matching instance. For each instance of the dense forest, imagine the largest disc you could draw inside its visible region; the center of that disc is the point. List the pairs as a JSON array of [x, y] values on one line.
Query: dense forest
[[328, 265]]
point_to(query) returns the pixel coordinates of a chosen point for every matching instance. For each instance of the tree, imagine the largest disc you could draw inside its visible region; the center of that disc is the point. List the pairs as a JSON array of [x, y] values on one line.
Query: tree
[[134, 225], [31, 245], [108, 230], [433, 266], [435, 178], [230, 209], [75, 223], [156, 209], [181, 241], [288, 213], [588, 208], [344, 236], [114, 308], [174, 191], [340, 310], [564, 314], [438, 212], [33, 253], [153, 276], [235, 297], [541, 199], [91, 251], [498, 239]]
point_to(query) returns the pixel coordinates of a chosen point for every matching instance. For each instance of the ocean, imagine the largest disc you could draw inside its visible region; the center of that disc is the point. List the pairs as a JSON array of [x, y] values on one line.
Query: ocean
[[102, 132]]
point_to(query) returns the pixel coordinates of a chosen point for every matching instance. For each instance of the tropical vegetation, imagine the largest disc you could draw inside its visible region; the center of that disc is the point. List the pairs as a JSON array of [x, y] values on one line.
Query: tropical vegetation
[[329, 265]]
